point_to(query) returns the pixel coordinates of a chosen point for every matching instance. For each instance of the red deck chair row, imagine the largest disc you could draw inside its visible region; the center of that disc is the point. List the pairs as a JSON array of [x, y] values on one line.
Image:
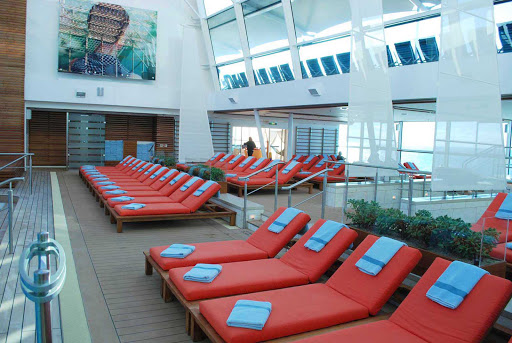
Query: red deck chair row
[[286, 173], [412, 166]]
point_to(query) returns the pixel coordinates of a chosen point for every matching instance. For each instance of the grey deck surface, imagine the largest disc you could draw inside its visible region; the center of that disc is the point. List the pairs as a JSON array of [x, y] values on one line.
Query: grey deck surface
[[32, 214], [121, 302]]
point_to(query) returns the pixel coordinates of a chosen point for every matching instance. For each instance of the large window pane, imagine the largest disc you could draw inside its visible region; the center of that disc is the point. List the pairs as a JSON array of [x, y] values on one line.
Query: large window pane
[[326, 58], [503, 18], [214, 6], [273, 68], [422, 160], [233, 76], [418, 135], [320, 18], [265, 24], [396, 9], [225, 36]]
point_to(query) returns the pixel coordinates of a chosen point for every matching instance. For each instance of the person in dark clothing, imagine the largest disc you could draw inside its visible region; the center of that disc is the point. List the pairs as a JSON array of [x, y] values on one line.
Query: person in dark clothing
[[250, 145]]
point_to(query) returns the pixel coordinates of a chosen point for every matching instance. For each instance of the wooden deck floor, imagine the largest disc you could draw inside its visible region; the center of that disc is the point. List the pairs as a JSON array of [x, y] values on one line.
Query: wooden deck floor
[[121, 302], [33, 213]]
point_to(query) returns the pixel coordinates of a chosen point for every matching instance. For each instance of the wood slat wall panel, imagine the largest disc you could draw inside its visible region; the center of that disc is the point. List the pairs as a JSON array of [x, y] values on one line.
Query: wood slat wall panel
[[12, 77], [165, 135], [47, 138]]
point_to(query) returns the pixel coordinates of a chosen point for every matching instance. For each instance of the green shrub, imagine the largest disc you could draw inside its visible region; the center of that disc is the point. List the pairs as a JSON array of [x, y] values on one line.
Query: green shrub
[[364, 213], [217, 175], [392, 221], [420, 227]]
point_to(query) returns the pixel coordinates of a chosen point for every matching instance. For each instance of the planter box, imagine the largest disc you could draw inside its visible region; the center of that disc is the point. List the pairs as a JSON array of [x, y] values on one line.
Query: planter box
[[499, 268], [223, 186]]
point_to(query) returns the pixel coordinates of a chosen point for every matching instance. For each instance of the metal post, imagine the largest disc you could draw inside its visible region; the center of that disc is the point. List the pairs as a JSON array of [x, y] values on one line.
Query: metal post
[[30, 172], [424, 184], [276, 188], [411, 185], [345, 198], [10, 207], [401, 191], [324, 198], [43, 313], [290, 198], [245, 205], [376, 184]]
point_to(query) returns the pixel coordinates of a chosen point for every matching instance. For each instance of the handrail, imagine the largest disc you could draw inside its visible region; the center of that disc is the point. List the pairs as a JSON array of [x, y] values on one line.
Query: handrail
[[246, 178], [306, 179], [23, 156], [12, 162], [16, 153], [10, 207], [13, 179]]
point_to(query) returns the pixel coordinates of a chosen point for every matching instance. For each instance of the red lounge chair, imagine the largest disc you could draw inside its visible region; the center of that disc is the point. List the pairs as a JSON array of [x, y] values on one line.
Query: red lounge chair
[[319, 166], [137, 179], [215, 158], [261, 244], [122, 163], [140, 183], [233, 163], [420, 320], [298, 266], [299, 158], [412, 166], [310, 162], [221, 162], [253, 168], [245, 165], [349, 295], [267, 177]]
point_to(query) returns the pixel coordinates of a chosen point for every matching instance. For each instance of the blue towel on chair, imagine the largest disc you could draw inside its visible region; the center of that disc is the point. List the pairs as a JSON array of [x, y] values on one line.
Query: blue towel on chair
[[321, 163], [224, 158], [100, 179], [88, 166], [202, 272], [296, 157], [509, 245], [204, 187], [379, 254], [257, 163], [189, 183], [158, 172], [284, 219], [230, 175], [116, 192], [109, 187], [215, 156], [309, 159], [151, 169], [249, 314], [133, 206], [177, 178], [505, 210], [178, 251], [247, 160], [323, 235], [234, 159], [166, 175], [289, 167], [106, 183], [455, 284], [122, 199]]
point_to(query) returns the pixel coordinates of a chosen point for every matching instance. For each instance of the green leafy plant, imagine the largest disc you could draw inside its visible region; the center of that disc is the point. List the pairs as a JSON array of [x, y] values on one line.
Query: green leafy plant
[[392, 221], [217, 175], [364, 214], [420, 226]]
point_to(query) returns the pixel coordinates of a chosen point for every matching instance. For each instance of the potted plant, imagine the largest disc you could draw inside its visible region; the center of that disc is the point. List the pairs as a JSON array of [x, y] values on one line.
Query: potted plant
[[210, 173], [445, 237]]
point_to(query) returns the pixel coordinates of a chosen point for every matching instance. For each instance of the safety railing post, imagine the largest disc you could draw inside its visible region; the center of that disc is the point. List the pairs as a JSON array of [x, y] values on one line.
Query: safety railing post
[[324, 191], [245, 205], [401, 194], [424, 184], [345, 197], [290, 197], [376, 184], [276, 188], [10, 208], [411, 185], [30, 172]]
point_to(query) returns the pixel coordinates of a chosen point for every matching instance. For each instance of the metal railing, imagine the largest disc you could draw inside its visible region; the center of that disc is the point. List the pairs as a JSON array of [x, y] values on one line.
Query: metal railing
[[276, 188], [10, 207], [22, 156], [323, 192], [43, 286]]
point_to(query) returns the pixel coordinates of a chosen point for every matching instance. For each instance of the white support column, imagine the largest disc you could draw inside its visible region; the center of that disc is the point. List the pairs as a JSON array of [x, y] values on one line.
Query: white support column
[[207, 41], [260, 133], [291, 136], [292, 38], [245, 43]]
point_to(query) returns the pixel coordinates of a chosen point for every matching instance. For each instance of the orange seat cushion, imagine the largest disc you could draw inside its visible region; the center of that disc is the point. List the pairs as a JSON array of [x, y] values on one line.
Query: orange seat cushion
[[373, 291], [195, 202], [467, 323], [209, 252], [141, 200], [382, 331], [271, 242], [492, 222], [240, 278], [294, 310], [499, 252], [138, 187], [153, 209], [315, 264], [133, 194]]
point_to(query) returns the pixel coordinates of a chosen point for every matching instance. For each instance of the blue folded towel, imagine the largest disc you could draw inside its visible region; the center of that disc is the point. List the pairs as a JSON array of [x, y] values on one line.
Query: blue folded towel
[[224, 158], [289, 167], [309, 159], [138, 165], [257, 163], [189, 183], [305, 173], [297, 157], [133, 162], [202, 272], [166, 175], [230, 175], [133, 206], [151, 169], [323, 235], [455, 284], [284, 219], [177, 178], [321, 163], [215, 156], [379, 254], [509, 245], [271, 165], [110, 187], [116, 192], [249, 314], [144, 166], [505, 210], [337, 165], [122, 199], [204, 187], [100, 179], [234, 159], [88, 166], [106, 183], [158, 172], [178, 251], [247, 160]]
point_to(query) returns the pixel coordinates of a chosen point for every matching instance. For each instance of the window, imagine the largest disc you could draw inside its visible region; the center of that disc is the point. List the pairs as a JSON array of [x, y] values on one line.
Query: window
[[326, 58], [273, 68], [320, 18], [232, 76], [418, 143], [215, 6], [265, 25], [225, 36], [397, 9], [503, 18]]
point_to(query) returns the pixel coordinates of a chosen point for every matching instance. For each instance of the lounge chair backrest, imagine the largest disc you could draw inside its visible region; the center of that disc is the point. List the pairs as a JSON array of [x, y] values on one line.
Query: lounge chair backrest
[[270, 169], [315, 264], [291, 172], [179, 195], [234, 162], [223, 161], [168, 189], [467, 323], [272, 243], [195, 202], [158, 183], [373, 291], [259, 164], [491, 221]]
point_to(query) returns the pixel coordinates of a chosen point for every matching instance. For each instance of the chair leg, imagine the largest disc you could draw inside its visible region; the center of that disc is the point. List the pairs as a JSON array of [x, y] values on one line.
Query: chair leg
[[166, 293], [112, 219], [187, 322], [232, 219], [197, 334], [148, 268], [119, 226]]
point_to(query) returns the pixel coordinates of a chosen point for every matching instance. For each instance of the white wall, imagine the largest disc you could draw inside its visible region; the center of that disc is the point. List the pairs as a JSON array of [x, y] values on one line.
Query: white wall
[[46, 87]]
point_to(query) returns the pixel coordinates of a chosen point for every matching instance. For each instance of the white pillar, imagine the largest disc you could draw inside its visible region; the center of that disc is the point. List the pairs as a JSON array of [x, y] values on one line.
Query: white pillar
[[260, 133], [291, 140]]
